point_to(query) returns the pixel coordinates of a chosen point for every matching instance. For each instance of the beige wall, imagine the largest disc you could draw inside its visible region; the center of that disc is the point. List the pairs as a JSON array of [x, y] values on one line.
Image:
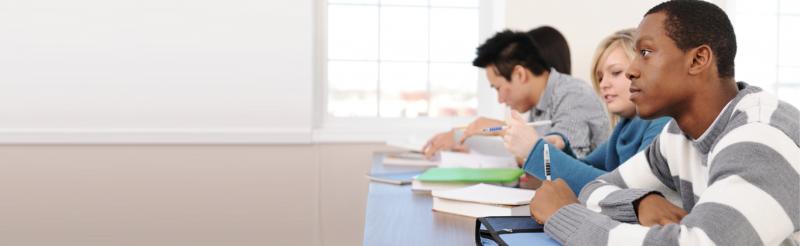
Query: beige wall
[[584, 23], [183, 194]]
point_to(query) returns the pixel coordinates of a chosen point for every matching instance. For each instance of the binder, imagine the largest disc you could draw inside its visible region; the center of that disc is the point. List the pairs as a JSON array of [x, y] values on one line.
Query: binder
[[510, 231]]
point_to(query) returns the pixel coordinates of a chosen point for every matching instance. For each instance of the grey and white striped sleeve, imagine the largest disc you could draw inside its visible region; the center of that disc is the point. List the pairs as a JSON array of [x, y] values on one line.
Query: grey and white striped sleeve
[[751, 199], [614, 193]]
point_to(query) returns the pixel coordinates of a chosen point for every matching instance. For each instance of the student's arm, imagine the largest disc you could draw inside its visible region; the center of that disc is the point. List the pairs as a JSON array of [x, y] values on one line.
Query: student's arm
[[571, 118], [575, 172], [597, 158], [752, 199], [613, 194]]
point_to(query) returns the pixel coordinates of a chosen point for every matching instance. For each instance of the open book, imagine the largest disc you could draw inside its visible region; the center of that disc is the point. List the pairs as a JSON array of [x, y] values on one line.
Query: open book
[[449, 159]]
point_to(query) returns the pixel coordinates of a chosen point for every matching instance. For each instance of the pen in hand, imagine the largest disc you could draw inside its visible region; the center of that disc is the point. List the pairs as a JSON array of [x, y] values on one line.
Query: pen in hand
[[501, 128]]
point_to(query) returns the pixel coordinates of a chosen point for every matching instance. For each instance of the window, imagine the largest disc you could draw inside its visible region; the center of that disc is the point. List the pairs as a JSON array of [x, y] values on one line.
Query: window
[[401, 58], [768, 56]]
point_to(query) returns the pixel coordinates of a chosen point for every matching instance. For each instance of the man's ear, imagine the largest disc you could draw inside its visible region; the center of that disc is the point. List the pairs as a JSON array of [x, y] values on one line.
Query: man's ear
[[701, 59], [519, 74]]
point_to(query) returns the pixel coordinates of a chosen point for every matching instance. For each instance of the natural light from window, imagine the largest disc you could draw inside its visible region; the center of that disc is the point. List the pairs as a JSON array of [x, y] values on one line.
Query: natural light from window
[[401, 58], [768, 56]]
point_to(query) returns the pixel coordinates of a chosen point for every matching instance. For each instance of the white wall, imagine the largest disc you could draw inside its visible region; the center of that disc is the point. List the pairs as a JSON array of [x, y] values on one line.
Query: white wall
[[173, 71], [155, 70], [583, 23]]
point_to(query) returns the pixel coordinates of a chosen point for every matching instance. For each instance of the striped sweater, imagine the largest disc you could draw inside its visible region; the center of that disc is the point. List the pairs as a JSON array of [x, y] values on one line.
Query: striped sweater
[[739, 181]]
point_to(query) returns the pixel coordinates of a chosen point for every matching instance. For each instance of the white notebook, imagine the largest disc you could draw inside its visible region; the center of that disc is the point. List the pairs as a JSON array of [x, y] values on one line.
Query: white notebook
[[408, 159], [483, 200], [427, 187], [475, 160]]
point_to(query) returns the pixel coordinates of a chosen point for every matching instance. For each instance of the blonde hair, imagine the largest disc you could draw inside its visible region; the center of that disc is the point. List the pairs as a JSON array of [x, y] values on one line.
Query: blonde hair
[[620, 39]]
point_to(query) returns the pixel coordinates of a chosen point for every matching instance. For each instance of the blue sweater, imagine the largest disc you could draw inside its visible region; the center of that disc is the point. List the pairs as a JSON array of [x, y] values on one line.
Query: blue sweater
[[629, 137]]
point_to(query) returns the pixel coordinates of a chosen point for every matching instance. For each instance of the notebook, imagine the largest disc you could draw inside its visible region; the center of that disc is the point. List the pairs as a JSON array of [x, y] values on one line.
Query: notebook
[[397, 178], [483, 200], [449, 159], [475, 160], [408, 159], [510, 230], [475, 175], [451, 178], [427, 187]]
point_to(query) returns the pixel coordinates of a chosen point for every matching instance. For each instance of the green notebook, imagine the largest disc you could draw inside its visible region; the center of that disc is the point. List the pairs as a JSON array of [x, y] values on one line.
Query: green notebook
[[478, 175]]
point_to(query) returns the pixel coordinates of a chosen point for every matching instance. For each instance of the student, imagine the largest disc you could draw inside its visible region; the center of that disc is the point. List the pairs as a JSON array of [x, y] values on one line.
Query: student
[[526, 81], [632, 134], [729, 159], [553, 48]]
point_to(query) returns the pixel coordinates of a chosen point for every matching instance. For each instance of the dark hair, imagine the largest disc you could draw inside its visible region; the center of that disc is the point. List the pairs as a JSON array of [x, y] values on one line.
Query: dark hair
[[553, 47], [691, 23], [507, 49]]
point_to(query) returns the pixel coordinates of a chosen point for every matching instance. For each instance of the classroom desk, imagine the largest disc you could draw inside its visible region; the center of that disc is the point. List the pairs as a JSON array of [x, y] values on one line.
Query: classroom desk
[[398, 216]]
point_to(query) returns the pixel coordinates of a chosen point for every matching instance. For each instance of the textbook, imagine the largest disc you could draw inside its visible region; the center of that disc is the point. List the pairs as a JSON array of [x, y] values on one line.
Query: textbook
[[396, 178], [452, 178], [483, 200]]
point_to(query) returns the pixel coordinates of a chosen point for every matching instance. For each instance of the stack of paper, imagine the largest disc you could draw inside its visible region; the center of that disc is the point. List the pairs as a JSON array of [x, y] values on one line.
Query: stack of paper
[[450, 159], [409, 143], [475, 160], [408, 159], [483, 200]]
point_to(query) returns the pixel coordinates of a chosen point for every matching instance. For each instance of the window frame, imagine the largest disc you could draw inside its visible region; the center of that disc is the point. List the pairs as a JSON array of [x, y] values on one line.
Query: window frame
[[380, 129], [777, 84]]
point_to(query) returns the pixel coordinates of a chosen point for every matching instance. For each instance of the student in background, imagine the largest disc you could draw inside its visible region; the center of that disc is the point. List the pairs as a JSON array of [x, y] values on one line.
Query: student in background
[[526, 80], [725, 171], [630, 135], [553, 48]]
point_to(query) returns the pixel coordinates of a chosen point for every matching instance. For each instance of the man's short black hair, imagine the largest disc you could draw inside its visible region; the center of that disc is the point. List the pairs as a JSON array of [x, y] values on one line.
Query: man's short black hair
[[507, 49], [691, 23], [553, 47]]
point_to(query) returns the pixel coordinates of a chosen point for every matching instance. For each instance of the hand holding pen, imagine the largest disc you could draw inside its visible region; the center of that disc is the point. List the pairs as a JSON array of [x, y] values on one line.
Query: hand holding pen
[[476, 128], [489, 130], [519, 138]]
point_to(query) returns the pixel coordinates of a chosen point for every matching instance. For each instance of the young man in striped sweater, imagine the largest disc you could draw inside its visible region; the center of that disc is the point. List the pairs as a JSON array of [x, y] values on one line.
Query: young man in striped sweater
[[724, 171]]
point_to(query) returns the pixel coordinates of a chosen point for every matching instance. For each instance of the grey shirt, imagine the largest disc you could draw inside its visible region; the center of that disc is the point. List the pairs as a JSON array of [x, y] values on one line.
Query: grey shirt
[[576, 112]]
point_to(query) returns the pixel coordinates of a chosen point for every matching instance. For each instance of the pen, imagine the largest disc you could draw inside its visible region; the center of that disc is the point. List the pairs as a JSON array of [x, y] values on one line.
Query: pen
[[547, 161], [500, 128]]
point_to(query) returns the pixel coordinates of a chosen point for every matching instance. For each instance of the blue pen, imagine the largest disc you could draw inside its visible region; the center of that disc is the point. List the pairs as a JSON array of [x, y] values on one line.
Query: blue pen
[[500, 128]]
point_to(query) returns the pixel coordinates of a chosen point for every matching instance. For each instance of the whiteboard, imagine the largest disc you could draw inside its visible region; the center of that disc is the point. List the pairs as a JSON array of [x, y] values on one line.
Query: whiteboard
[[155, 70]]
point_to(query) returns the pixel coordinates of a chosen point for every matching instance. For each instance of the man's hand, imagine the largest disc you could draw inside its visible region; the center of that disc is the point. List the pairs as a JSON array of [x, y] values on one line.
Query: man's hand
[[549, 198], [442, 141], [654, 209], [476, 128], [519, 138]]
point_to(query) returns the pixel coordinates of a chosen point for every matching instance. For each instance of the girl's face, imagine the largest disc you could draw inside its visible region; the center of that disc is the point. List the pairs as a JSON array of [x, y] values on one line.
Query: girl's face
[[614, 85]]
